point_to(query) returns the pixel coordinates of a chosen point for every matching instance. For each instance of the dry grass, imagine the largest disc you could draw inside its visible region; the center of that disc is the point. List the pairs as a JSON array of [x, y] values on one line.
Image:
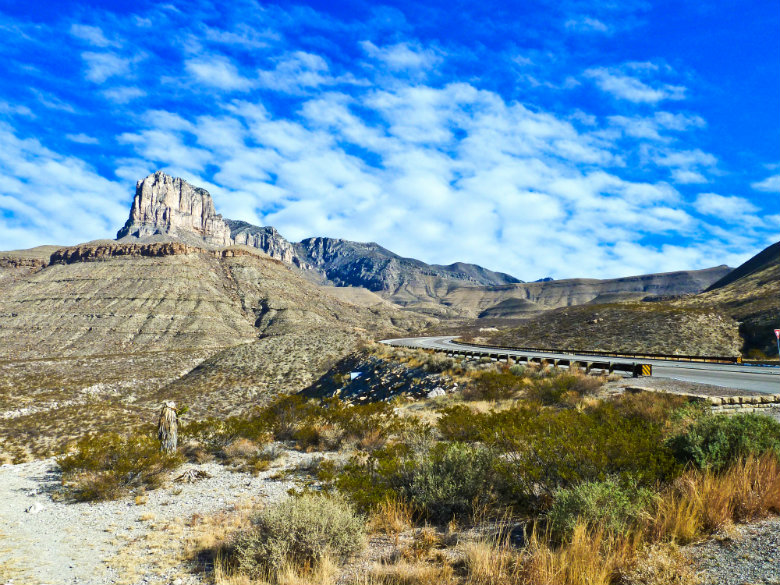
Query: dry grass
[[391, 517], [489, 563], [410, 573], [701, 501], [592, 557], [661, 564]]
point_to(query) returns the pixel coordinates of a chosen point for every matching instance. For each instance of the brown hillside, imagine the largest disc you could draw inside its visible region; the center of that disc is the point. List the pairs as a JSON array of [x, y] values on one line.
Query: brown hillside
[[628, 327], [751, 296], [89, 342]]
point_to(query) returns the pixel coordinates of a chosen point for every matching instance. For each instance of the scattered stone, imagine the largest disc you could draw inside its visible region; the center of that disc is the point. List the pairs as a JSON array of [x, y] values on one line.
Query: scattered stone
[[192, 475], [436, 392]]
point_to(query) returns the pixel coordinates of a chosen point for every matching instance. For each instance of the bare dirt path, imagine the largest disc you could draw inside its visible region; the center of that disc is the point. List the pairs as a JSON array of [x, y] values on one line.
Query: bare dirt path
[[44, 542]]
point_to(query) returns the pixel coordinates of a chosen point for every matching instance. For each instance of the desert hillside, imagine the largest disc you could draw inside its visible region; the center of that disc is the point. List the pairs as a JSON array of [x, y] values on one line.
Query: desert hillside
[[751, 295], [628, 327], [107, 326]]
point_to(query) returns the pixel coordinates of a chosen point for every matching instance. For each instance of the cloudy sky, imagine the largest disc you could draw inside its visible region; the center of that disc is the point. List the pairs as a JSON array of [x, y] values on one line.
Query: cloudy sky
[[541, 138]]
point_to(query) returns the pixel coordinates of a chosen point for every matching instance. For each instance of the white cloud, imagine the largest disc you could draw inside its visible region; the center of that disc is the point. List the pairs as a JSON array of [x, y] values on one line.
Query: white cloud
[[587, 24], [770, 184], [82, 138], [688, 177], [402, 56], [92, 34], [623, 86], [299, 71], [217, 71], [731, 209], [54, 199], [124, 94], [102, 66]]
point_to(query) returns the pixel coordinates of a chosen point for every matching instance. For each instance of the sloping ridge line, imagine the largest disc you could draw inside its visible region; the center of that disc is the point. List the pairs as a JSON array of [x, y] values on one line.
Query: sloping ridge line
[[756, 263]]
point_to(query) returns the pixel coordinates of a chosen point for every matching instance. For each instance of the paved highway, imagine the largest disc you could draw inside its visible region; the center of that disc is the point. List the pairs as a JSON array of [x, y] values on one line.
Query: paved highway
[[742, 377]]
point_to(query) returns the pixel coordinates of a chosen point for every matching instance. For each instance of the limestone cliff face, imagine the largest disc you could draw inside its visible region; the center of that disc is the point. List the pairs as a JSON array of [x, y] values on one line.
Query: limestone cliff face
[[165, 205], [266, 239]]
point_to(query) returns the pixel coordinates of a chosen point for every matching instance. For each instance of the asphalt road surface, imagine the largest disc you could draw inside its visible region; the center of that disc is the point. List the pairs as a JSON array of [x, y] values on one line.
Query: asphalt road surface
[[742, 377]]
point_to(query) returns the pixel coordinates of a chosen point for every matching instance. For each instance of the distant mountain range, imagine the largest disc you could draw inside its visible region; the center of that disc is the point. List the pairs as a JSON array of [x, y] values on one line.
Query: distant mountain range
[[167, 207]]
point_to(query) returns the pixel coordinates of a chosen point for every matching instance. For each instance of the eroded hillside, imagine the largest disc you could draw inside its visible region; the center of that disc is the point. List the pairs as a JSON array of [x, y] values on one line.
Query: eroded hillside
[[98, 335]]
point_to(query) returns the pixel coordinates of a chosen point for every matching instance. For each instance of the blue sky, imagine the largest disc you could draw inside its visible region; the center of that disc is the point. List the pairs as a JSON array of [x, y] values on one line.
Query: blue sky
[[570, 138]]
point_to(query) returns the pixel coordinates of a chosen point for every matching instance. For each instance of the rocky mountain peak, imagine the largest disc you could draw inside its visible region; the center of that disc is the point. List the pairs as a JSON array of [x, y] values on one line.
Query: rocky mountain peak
[[165, 205]]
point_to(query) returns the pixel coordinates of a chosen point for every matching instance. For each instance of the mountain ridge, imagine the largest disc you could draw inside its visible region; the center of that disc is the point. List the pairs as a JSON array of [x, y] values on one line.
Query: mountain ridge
[[166, 207]]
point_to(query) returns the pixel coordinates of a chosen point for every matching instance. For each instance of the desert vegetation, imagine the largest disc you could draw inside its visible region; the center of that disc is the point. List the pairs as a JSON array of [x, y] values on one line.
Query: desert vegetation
[[521, 475]]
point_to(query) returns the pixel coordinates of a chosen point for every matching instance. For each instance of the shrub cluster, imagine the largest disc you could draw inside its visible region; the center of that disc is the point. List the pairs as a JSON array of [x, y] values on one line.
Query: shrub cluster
[[611, 504], [299, 532], [714, 442], [105, 467]]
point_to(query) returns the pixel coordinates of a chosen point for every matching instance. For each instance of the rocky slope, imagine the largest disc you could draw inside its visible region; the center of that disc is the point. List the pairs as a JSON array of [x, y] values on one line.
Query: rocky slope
[[94, 339], [751, 295], [656, 327], [736, 314]]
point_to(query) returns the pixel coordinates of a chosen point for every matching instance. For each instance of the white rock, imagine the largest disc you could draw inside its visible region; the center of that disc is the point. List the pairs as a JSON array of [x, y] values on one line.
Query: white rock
[[35, 508], [168, 205], [438, 391]]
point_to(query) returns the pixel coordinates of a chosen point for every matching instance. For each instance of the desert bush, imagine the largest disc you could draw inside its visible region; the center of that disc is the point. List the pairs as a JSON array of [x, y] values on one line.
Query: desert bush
[[493, 386], [105, 467], [564, 387], [715, 442], [439, 481], [437, 363], [517, 370], [544, 449], [610, 504], [298, 532], [655, 407], [448, 481]]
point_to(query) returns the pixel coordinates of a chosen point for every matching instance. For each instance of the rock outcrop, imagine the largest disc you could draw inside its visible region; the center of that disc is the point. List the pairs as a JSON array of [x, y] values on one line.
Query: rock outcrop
[[165, 205], [266, 239]]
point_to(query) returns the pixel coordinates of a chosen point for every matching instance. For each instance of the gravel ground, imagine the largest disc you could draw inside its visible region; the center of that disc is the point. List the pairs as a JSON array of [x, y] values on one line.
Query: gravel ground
[[43, 542], [749, 556]]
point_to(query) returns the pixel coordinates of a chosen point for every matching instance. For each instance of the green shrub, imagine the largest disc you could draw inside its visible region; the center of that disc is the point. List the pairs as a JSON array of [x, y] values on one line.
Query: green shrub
[[555, 389], [716, 441], [610, 504], [493, 386], [655, 407], [105, 467], [543, 449], [517, 370], [437, 363], [448, 481], [298, 532]]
